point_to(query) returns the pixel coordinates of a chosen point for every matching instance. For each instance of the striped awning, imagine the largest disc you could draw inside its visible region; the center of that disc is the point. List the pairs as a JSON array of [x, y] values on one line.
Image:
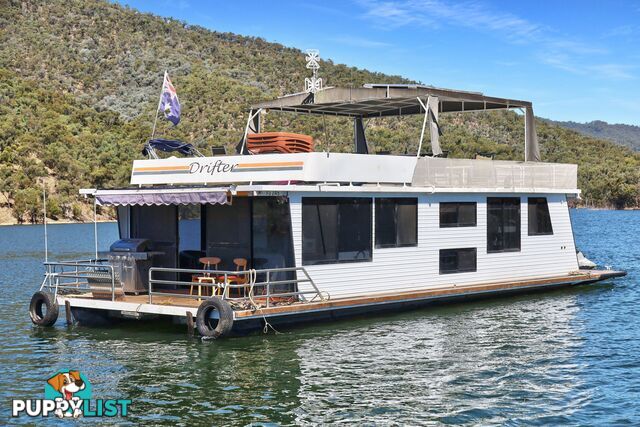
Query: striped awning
[[159, 197]]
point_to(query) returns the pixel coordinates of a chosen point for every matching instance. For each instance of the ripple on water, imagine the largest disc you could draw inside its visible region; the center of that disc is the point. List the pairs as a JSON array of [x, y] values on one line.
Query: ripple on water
[[568, 357]]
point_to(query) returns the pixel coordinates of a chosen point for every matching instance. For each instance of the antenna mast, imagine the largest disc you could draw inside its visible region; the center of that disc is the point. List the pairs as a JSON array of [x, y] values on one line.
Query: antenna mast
[[313, 84]]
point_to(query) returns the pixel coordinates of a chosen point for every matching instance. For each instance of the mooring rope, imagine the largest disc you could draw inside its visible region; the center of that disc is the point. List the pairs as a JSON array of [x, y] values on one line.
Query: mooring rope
[[253, 275]]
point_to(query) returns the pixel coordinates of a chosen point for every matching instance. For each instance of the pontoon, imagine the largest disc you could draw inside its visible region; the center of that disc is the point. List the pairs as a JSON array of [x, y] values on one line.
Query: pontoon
[[280, 234]]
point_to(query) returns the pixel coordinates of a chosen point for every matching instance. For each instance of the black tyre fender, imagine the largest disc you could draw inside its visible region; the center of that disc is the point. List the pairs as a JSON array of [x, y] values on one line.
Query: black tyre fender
[[39, 300], [210, 328]]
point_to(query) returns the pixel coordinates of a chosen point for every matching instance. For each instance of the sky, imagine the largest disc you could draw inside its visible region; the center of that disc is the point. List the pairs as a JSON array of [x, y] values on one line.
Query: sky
[[575, 60]]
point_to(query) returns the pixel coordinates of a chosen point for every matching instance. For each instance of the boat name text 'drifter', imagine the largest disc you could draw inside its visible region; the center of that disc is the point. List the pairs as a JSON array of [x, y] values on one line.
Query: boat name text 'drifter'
[[211, 168]]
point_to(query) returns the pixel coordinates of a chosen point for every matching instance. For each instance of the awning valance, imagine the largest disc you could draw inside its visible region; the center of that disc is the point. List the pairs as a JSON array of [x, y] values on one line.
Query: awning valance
[[161, 198]]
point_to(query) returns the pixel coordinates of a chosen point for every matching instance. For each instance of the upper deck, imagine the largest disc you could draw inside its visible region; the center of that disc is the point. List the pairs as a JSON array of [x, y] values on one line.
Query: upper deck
[[313, 171], [409, 173]]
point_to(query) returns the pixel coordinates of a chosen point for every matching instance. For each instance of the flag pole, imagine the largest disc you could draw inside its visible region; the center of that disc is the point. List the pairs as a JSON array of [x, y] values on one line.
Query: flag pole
[[155, 120]]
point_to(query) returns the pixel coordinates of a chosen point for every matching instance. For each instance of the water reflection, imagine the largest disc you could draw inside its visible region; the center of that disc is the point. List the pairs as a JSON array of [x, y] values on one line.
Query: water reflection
[[564, 357], [486, 356]]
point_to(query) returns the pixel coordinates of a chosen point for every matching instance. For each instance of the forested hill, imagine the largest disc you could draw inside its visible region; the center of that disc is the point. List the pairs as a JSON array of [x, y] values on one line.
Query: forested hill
[[627, 135], [79, 82]]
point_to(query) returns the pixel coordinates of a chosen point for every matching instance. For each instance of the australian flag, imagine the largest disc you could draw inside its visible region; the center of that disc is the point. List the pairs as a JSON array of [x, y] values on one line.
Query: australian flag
[[169, 102]]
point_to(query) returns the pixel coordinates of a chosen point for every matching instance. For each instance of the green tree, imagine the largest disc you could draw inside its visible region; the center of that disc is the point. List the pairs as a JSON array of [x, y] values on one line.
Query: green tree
[[27, 205]]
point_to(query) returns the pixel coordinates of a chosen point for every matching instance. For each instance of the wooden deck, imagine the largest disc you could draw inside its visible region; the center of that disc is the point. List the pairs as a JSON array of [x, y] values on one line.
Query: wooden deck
[[169, 304], [449, 291]]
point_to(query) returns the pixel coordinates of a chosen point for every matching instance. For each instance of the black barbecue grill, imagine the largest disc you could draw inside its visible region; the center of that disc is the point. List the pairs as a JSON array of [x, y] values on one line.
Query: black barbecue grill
[[131, 260]]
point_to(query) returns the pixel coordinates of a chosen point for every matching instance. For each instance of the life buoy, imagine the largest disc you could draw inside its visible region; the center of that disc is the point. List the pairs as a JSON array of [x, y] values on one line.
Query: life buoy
[[209, 326], [49, 315]]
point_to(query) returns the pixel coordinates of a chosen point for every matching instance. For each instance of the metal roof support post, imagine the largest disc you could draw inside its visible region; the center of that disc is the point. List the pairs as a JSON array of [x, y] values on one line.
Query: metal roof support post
[[424, 124], [430, 115], [359, 136], [526, 145], [434, 128], [531, 148], [253, 126]]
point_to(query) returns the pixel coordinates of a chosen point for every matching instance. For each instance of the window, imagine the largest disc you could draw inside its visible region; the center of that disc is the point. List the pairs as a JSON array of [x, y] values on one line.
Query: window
[[396, 222], [189, 239], [458, 214], [228, 231], [272, 242], [539, 218], [189, 231], [336, 230], [160, 225], [458, 260], [503, 224], [124, 221]]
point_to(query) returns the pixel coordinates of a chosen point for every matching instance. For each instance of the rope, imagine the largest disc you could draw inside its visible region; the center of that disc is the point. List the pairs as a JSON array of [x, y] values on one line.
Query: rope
[[253, 275], [323, 295]]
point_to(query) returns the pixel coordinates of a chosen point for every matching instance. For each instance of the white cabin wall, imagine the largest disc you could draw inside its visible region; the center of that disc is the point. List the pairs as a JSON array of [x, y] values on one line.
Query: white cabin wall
[[410, 268]]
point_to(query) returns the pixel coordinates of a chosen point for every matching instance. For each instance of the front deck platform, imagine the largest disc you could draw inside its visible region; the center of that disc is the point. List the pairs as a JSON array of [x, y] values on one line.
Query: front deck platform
[[137, 306]]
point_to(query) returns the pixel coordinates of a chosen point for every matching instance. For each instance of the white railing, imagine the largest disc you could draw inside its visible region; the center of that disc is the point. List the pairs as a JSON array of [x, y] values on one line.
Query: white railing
[[251, 286], [498, 174], [80, 276], [255, 287]]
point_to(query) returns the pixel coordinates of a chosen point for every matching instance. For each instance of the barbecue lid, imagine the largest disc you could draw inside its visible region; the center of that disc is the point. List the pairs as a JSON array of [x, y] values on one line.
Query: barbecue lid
[[131, 245]]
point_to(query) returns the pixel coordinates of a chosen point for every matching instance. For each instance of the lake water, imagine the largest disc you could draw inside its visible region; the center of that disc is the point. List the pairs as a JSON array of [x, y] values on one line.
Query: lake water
[[568, 357]]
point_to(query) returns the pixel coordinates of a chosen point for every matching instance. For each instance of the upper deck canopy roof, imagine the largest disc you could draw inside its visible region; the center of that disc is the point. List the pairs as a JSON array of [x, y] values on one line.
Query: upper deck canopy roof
[[379, 100]]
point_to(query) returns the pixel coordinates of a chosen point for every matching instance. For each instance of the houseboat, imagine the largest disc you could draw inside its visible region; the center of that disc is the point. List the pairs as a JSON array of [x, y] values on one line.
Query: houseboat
[[280, 233]]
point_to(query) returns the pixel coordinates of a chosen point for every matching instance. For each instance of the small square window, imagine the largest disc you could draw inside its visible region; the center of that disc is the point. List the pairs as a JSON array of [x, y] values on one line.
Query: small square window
[[458, 214], [462, 260]]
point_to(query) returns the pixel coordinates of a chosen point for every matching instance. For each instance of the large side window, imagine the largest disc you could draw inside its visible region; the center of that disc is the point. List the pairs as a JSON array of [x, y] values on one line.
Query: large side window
[[228, 232], [458, 260], [336, 230], [396, 222], [539, 218], [503, 224], [458, 214]]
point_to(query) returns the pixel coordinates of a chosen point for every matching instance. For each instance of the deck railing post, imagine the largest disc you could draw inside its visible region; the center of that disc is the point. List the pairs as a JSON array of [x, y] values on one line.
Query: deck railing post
[[150, 285], [268, 286], [57, 283], [113, 283]]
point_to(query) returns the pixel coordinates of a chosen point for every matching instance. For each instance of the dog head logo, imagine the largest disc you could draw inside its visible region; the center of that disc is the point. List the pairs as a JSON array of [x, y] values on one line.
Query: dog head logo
[[68, 384], [70, 387]]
